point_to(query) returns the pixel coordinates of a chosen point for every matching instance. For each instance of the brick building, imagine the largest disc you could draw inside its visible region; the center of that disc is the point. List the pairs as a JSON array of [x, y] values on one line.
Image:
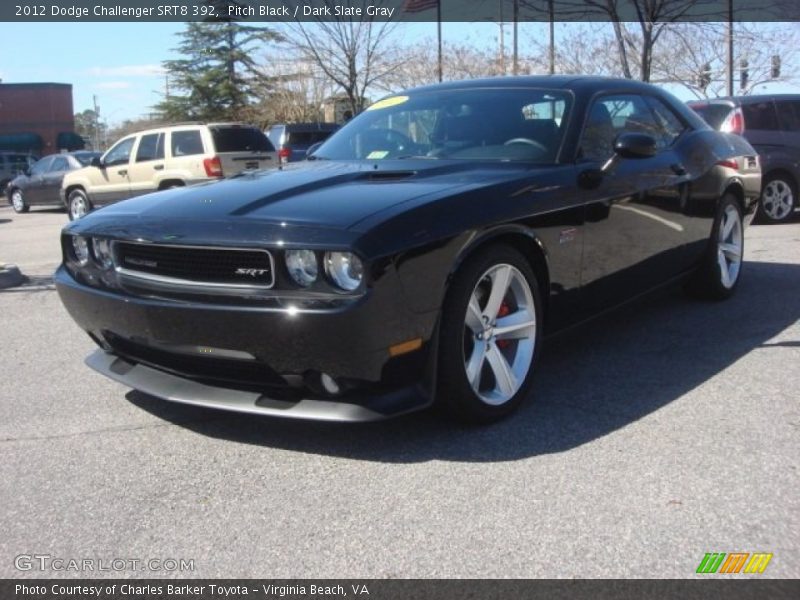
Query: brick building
[[37, 118]]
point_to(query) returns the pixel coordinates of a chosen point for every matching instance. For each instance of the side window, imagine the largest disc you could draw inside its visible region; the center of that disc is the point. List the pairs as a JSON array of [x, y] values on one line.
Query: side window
[[41, 167], [151, 147], [608, 117], [186, 143], [670, 124], [120, 154], [59, 164], [789, 114], [761, 115]]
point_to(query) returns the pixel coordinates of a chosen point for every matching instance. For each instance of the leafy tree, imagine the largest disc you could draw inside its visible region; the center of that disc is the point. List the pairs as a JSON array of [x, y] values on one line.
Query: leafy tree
[[217, 77], [89, 127]]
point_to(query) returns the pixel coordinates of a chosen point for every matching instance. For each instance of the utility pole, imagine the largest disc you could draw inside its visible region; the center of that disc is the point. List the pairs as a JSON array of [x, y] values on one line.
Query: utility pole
[[502, 40], [515, 66], [96, 124], [551, 21], [729, 37]]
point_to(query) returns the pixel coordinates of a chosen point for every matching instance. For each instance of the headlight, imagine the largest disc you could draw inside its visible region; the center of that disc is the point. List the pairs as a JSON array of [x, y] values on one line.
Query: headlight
[[80, 245], [302, 266], [344, 269], [102, 252]]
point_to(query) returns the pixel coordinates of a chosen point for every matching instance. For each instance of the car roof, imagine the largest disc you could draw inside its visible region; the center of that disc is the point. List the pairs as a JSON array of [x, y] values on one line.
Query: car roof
[[566, 82]]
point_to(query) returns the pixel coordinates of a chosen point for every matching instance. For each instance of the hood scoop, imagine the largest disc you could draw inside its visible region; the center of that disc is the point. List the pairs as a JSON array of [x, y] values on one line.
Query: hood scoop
[[389, 175]]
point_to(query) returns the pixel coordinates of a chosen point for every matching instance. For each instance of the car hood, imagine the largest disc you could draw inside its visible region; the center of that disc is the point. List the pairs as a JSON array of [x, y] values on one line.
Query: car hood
[[321, 193]]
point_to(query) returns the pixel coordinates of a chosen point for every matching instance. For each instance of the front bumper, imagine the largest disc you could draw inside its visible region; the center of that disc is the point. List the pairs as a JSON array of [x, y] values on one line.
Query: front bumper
[[177, 389], [251, 359]]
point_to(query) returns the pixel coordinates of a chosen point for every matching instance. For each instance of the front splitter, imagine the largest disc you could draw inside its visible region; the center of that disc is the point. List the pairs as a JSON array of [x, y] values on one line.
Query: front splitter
[[177, 389]]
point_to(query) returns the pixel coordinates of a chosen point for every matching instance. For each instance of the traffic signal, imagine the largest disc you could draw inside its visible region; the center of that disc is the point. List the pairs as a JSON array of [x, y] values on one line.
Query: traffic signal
[[744, 74], [704, 77], [776, 66]]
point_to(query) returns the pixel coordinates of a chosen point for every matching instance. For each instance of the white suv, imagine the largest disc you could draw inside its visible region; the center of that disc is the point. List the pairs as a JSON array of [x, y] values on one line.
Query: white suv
[[166, 157]]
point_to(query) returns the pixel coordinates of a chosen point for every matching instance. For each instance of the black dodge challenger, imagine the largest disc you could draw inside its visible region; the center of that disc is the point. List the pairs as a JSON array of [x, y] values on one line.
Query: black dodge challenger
[[419, 257]]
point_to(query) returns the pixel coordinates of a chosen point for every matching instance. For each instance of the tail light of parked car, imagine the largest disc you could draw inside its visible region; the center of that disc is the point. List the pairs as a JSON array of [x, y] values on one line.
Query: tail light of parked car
[[284, 153], [213, 167], [734, 122]]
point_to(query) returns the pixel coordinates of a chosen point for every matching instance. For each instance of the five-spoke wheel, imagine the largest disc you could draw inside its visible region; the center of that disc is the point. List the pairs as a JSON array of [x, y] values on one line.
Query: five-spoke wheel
[[488, 335], [778, 200]]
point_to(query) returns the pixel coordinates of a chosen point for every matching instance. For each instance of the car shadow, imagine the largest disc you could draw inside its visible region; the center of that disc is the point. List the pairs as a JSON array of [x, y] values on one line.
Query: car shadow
[[590, 382]]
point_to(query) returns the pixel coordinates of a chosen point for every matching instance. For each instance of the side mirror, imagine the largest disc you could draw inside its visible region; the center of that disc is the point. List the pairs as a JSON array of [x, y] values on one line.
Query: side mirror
[[97, 162], [635, 145], [311, 149]]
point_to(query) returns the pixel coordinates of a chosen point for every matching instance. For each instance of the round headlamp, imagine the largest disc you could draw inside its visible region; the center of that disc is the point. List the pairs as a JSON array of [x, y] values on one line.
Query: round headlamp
[[80, 246], [345, 269], [302, 266], [102, 252]]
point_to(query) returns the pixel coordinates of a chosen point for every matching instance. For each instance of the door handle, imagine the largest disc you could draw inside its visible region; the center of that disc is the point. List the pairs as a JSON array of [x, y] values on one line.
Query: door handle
[[158, 167], [678, 169], [122, 172]]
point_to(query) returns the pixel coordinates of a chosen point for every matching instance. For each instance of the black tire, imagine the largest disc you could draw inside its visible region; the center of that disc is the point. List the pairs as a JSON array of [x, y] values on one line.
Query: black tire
[[456, 396], [17, 201], [78, 204], [710, 282], [778, 199]]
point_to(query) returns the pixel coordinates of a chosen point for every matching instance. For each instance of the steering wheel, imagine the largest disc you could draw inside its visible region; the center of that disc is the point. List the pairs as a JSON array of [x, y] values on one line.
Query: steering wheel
[[390, 135], [527, 142]]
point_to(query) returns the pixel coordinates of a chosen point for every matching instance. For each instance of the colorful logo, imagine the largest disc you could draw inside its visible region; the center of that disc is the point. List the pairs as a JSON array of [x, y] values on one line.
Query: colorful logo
[[734, 562]]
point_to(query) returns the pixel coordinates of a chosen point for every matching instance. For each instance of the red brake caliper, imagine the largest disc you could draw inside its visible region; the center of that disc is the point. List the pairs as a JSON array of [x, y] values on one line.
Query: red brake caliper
[[504, 310]]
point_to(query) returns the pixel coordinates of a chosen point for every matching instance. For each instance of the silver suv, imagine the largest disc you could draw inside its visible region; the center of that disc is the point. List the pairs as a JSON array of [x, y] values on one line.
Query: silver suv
[[163, 158]]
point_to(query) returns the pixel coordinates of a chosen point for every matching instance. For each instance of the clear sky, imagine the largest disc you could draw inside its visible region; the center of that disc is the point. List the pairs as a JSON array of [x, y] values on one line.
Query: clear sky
[[120, 63]]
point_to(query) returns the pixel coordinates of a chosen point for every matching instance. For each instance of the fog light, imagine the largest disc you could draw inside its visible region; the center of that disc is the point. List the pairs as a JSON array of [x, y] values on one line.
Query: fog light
[[80, 245], [329, 384]]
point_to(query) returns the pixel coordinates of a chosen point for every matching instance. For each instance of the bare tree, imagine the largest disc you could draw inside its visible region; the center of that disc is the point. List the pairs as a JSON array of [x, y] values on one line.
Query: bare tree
[[459, 61], [696, 55], [356, 55]]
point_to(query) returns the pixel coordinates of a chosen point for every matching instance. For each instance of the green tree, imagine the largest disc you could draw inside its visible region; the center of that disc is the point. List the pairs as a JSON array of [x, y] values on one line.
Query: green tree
[[216, 78], [89, 127]]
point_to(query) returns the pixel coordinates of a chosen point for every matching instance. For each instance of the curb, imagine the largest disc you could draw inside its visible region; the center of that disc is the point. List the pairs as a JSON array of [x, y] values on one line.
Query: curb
[[10, 276]]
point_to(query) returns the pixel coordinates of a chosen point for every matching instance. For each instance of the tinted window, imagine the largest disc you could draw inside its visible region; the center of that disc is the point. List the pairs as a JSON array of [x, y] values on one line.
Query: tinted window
[[613, 115], [789, 114], [151, 147], [671, 126], [186, 143], [121, 153], [42, 166], [713, 114], [240, 139], [760, 116], [59, 164], [469, 124]]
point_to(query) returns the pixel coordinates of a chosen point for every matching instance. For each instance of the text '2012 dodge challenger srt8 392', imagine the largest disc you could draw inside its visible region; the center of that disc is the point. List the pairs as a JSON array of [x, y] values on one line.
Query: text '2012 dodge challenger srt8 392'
[[418, 257]]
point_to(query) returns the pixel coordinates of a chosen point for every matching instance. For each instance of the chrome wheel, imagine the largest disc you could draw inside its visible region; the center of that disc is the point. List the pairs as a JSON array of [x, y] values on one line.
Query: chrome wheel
[[17, 201], [777, 200], [78, 206], [499, 334], [730, 245]]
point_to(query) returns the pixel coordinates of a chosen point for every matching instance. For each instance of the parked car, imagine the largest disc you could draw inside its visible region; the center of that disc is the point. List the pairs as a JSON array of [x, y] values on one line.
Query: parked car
[[294, 140], [771, 123], [12, 164], [167, 157], [420, 259], [40, 184]]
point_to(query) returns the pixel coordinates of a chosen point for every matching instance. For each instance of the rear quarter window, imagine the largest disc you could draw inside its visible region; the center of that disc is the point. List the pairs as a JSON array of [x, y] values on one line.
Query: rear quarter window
[[760, 115], [186, 143], [240, 139]]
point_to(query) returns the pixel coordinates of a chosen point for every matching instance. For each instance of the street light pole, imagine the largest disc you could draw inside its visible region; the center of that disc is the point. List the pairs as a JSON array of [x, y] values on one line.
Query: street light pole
[[729, 37], [96, 124]]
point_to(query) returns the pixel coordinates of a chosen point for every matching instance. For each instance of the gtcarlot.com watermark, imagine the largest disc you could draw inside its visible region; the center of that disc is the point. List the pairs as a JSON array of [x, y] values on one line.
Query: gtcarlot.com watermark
[[48, 562]]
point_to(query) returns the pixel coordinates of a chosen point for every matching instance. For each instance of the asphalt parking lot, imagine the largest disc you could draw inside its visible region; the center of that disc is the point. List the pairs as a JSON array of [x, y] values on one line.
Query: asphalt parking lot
[[657, 434]]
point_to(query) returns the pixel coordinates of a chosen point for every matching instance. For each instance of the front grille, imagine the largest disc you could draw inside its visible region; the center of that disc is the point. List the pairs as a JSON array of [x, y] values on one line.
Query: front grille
[[234, 373], [197, 265]]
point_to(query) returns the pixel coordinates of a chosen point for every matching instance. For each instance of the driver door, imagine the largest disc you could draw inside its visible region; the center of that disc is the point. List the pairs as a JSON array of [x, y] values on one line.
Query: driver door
[[111, 181]]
